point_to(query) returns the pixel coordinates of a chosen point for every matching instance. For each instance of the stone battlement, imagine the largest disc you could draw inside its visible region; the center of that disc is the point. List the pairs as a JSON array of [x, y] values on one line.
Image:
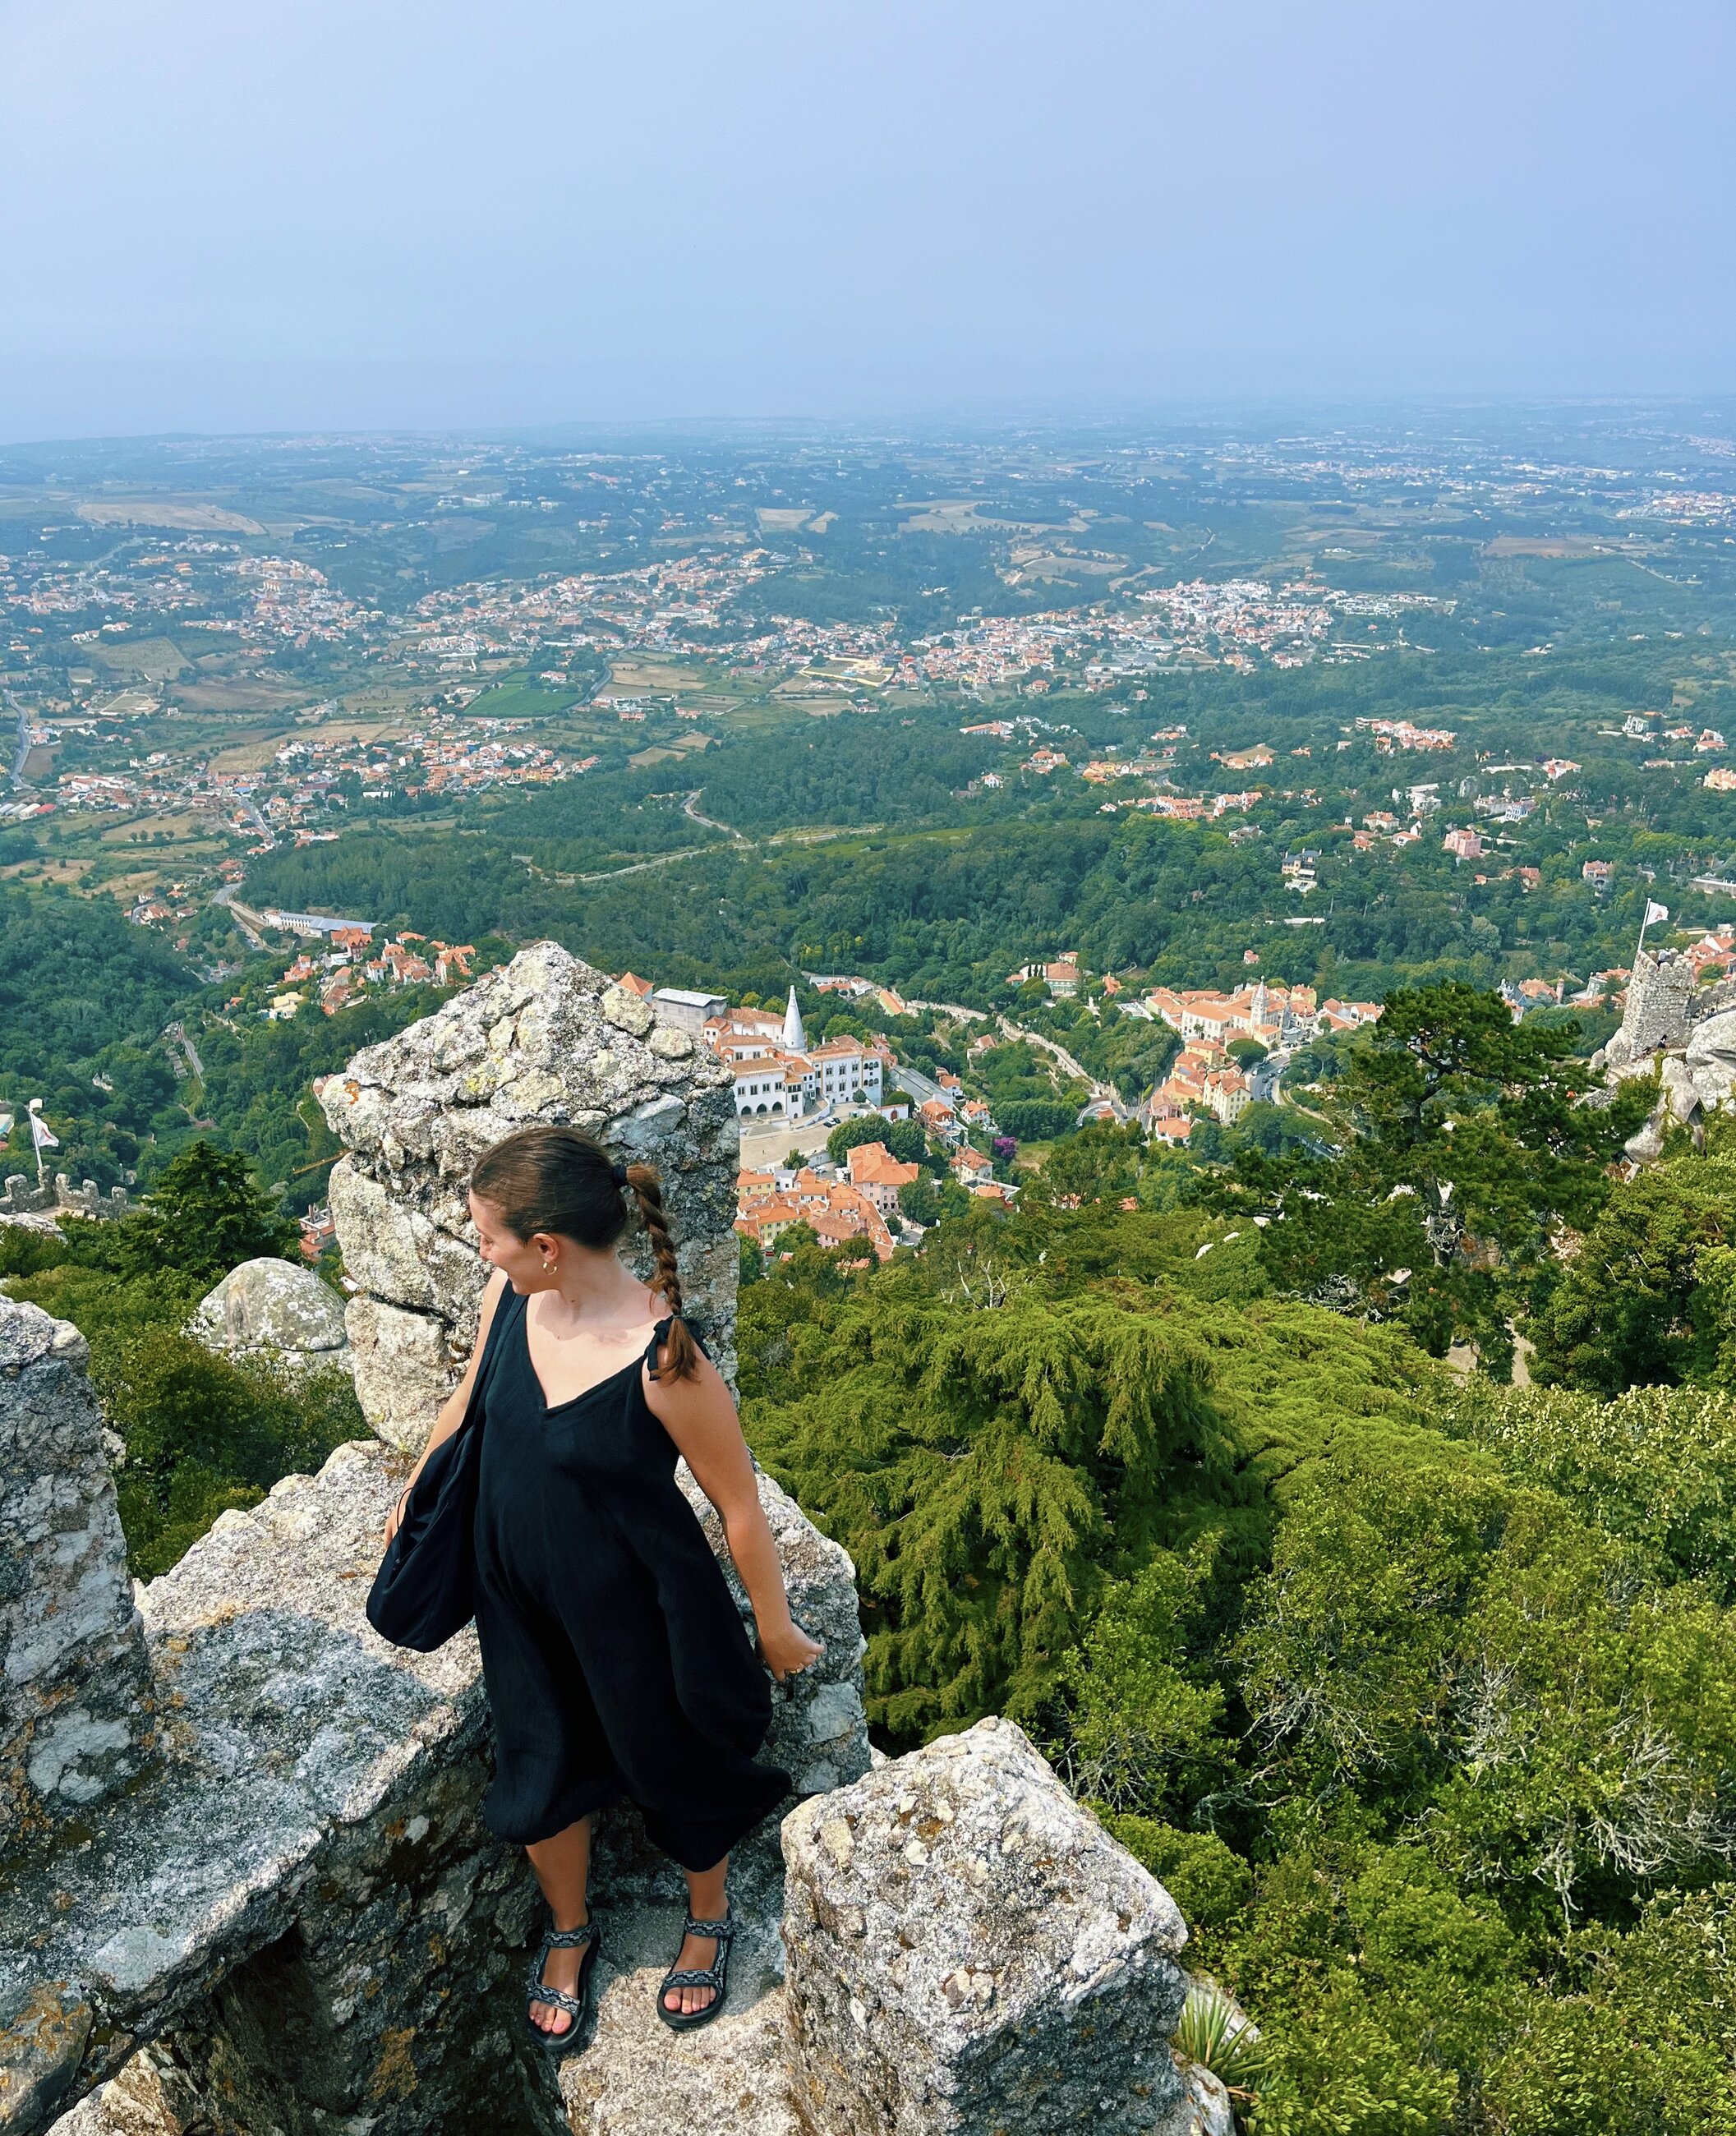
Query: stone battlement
[[22, 1199]]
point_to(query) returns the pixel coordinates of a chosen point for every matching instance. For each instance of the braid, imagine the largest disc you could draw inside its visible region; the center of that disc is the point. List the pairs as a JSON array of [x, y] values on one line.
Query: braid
[[682, 1352]]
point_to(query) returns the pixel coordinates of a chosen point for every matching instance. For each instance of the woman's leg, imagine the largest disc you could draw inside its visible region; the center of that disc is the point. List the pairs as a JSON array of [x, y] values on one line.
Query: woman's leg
[[706, 1897], [562, 1865]]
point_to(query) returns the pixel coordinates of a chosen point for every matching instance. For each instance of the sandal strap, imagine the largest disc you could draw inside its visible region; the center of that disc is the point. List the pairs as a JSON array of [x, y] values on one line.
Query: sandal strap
[[568, 1938], [556, 1997], [705, 1976], [719, 1931]]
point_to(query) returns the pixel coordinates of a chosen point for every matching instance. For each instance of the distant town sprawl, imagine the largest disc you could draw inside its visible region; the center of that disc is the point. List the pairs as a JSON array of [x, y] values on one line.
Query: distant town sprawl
[[1341, 705]]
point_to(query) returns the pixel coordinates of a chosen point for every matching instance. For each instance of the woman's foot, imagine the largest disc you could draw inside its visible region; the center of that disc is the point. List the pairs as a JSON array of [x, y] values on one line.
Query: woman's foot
[[698, 1954], [561, 1969]]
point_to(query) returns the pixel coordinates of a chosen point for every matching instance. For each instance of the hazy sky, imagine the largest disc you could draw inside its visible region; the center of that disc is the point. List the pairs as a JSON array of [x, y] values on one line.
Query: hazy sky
[[218, 214]]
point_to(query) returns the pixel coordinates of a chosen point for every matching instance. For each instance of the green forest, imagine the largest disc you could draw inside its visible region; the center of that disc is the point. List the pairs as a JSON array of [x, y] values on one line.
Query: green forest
[[1418, 1691], [945, 915], [203, 1432]]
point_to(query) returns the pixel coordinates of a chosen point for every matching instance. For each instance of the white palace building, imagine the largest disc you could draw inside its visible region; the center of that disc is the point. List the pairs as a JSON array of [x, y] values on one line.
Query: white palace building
[[776, 1071]]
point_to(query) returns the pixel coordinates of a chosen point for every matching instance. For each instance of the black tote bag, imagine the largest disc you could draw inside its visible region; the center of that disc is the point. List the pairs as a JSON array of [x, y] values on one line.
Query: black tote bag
[[425, 1588]]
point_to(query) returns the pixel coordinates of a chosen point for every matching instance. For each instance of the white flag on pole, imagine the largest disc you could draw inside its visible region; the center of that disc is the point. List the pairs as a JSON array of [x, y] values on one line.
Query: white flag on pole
[[41, 1134], [1654, 912]]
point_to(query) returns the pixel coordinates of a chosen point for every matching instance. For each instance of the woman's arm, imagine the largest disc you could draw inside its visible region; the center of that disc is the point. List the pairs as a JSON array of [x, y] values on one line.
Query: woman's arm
[[452, 1410], [700, 1417]]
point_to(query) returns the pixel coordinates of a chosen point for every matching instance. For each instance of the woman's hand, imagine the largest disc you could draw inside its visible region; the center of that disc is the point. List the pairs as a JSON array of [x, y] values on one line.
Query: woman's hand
[[787, 1650]]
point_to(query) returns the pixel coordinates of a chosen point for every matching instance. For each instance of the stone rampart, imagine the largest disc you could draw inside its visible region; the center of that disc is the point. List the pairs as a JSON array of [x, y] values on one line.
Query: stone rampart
[[22, 1199], [293, 1902], [254, 1896]]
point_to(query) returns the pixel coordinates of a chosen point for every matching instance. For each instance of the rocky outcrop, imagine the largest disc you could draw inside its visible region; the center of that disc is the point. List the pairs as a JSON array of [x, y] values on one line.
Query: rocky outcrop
[[290, 1920], [546, 1038], [295, 1903], [273, 1310], [74, 1721], [1710, 1057], [970, 1952]]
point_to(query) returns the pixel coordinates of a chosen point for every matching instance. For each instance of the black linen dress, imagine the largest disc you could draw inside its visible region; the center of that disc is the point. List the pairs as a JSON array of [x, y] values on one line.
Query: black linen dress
[[615, 1661]]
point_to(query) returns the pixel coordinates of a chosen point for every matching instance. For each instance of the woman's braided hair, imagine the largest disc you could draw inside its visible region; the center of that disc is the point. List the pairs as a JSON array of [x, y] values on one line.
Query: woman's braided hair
[[558, 1180]]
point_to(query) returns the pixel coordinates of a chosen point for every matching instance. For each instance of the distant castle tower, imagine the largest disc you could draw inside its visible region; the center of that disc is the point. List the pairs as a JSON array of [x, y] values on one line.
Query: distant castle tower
[[795, 1037]]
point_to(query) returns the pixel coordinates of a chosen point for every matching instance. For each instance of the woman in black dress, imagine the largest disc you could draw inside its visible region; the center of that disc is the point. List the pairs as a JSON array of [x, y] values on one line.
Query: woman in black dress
[[615, 1661]]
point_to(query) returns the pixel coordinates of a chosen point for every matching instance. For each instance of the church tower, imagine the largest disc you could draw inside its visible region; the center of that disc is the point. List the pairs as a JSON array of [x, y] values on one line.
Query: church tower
[[795, 1037]]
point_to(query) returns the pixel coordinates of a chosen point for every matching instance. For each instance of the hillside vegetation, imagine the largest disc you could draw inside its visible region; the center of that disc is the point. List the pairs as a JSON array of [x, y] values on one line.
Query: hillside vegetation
[[1419, 1693]]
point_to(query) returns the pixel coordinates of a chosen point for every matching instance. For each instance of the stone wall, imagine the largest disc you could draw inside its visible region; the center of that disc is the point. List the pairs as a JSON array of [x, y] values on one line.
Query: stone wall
[[253, 1895], [294, 1903], [546, 1038], [74, 1722], [297, 1896], [22, 1199], [1683, 1033]]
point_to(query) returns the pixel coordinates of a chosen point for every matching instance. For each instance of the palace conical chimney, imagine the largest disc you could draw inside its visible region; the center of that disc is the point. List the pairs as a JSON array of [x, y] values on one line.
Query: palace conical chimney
[[795, 1037]]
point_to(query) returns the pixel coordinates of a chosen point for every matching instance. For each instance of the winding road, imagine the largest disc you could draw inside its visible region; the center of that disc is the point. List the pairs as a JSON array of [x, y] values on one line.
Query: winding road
[[711, 823], [1100, 1093]]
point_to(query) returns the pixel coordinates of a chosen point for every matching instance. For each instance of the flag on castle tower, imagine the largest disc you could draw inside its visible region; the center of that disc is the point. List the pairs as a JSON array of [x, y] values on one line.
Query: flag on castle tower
[[40, 1133], [1656, 912]]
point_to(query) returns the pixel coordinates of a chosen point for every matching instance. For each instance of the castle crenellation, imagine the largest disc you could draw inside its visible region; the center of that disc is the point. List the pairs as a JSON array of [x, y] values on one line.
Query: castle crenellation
[[22, 1199]]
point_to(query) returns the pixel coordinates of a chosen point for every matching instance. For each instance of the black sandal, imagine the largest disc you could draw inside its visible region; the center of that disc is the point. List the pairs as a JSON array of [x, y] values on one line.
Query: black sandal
[[576, 2006], [715, 1976]]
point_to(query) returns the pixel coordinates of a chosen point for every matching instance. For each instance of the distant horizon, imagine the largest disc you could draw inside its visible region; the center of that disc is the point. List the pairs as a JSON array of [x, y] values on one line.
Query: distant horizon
[[353, 217], [1178, 411]]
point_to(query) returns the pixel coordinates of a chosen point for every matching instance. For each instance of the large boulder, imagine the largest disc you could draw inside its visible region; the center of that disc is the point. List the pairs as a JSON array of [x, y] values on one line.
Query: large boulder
[[74, 1721], [275, 1310], [1710, 1059], [971, 1954], [546, 1038]]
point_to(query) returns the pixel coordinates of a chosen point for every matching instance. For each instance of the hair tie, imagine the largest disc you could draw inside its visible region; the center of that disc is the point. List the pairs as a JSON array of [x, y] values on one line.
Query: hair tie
[[618, 1173]]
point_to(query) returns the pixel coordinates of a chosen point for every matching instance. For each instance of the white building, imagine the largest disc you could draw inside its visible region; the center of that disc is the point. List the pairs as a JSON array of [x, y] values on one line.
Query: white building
[[847, 1069], [686, 1010], [773, 1083]]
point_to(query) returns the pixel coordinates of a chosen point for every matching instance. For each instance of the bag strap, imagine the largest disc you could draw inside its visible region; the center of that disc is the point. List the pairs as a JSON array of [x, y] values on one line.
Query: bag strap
[[492, 1347]]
